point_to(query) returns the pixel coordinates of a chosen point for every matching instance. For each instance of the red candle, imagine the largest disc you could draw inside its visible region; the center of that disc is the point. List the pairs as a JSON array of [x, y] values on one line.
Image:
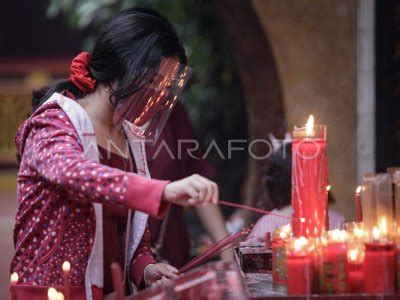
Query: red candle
[[358, 205], [355, 278], [268, 240], [355, 275], [299, 269], [379, 268], [309, 181], [278, 262], [398, 268], [279, 270], [13, 283], [66, 267], [333, 269]]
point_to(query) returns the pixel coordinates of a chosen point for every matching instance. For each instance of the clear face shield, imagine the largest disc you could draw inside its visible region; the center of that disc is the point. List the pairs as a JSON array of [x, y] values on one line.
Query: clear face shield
[[149, 108]]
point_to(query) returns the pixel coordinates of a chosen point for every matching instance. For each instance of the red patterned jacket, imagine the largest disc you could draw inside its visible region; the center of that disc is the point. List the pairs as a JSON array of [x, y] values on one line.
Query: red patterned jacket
[[61, 189]]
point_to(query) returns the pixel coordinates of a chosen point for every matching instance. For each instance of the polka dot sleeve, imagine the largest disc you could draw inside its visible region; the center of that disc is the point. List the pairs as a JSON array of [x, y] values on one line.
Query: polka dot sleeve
[[55, 153]]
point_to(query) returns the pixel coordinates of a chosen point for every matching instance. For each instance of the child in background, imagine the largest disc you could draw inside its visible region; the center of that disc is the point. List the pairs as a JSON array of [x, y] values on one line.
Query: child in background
[[278, 196]]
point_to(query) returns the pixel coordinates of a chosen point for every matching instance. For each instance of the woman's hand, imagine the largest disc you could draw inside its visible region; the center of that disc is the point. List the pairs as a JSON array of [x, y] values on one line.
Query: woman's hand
[[159, 274], [191, 190]]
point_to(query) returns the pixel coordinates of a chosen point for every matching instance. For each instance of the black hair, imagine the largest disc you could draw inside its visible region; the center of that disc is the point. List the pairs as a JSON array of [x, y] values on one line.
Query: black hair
[[127, 52], [278, 179]]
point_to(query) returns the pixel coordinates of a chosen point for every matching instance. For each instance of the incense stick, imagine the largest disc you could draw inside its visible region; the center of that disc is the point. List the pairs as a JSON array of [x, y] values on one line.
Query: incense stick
[[259, 210]]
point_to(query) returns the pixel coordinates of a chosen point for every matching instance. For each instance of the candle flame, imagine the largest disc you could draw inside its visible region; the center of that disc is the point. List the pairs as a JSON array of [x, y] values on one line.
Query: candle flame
[[302, 220], [52, 293], [60, 296], [375, 233], [383, 227], [310, 126], [66, 266], [14, 277], [338, 235], [358, 190], [285, 232], [353, 254], [297, 245], [358, 232], [328, 188]]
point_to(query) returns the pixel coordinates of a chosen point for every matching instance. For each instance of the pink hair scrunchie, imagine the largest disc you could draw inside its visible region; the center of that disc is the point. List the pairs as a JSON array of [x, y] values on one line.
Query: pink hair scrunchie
[[80, 75]]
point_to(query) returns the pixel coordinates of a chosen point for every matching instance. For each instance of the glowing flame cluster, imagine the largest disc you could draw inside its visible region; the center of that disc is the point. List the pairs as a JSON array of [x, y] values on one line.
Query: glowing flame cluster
[[300, 244], [285, 231], [52, 294]]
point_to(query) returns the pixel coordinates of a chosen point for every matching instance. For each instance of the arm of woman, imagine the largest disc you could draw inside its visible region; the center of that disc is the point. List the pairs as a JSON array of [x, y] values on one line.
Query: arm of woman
[[53, 150], [213, 221], [141, 259]]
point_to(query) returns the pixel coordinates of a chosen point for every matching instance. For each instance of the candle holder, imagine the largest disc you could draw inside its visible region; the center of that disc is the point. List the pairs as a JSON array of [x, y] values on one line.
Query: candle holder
[[380, 254], [333, 266], [279, 269], [355, 231], [355, 258], [377, 206], [299, 264], [309, 180], [396, 182]]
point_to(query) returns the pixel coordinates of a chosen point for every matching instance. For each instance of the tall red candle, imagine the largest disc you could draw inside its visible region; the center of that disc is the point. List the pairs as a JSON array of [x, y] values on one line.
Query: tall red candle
[[309, 180], [299, 268], [358, 205], [379, 268]]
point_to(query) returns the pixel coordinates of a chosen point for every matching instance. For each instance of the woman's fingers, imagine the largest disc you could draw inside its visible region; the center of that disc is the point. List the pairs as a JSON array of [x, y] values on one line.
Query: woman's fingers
[[212, 188], [207, 186], [167, 272], [192, 190], [201, 188]]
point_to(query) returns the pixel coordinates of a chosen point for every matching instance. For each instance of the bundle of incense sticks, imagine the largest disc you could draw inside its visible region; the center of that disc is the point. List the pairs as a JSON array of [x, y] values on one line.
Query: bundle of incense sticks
[[228, 241]]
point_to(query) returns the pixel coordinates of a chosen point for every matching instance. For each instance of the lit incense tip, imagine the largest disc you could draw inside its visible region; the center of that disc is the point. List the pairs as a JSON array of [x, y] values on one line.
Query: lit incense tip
[[310, 126], [328, 188], [14, 278], [66, 266]]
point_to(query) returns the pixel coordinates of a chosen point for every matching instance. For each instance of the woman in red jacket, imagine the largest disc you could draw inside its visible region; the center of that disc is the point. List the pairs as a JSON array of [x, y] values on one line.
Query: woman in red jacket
[[84, 190]]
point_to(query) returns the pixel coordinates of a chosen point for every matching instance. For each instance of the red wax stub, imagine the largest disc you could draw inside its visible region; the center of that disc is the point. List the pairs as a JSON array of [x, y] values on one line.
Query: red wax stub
[[268, 240]]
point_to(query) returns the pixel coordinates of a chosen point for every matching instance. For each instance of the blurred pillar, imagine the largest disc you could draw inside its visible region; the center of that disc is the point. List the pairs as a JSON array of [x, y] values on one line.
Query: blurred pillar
[[256, 66], [315, 47], [366, 89]]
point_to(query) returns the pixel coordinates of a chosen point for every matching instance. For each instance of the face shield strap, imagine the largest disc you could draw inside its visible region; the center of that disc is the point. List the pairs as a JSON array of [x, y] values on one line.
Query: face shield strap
[[148, 109]]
